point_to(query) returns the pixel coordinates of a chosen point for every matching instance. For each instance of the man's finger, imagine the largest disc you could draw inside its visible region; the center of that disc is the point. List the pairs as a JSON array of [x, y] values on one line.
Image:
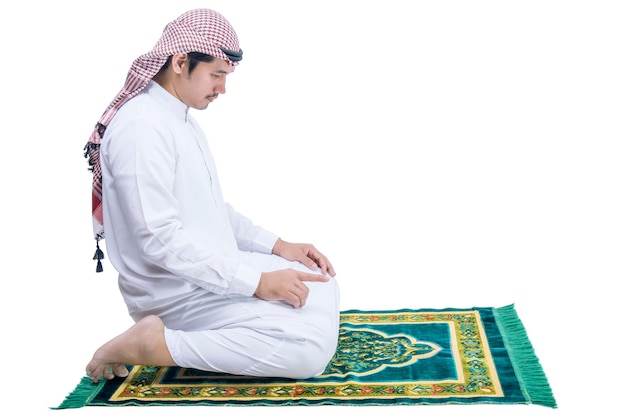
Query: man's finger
[[298, 298], [307, 261], [331, 270], [295, 301], [324, 265], [306, 277], [322, 262], [298, 295]]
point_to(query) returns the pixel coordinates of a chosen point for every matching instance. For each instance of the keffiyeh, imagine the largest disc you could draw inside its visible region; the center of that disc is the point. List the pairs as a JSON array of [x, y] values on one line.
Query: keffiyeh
[[198, 30]]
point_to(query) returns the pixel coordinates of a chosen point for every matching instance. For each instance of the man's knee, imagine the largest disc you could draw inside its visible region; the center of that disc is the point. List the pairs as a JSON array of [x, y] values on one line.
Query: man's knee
[[311, 359]]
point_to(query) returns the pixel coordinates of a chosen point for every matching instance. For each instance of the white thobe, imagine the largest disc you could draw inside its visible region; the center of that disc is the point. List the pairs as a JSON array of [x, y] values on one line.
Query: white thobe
[[185, 255]]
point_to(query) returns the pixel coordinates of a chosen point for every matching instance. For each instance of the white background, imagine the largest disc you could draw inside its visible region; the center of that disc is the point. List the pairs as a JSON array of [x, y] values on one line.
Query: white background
[[441, 153]]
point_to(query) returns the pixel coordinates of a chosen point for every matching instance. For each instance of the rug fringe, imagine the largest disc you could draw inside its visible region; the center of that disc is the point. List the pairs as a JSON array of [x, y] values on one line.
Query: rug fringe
[[82, 394], [529, 371]]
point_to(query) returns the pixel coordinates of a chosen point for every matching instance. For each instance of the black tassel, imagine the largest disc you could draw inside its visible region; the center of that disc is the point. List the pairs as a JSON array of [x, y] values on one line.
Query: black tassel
[[91, 149], [99, 255]]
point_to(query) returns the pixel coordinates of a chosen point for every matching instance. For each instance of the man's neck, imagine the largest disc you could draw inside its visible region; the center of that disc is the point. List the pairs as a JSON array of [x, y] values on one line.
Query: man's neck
[[163, 81]]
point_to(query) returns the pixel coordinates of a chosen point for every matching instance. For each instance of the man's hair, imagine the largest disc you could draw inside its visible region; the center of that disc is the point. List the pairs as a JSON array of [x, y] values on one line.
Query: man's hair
[[194, 59]]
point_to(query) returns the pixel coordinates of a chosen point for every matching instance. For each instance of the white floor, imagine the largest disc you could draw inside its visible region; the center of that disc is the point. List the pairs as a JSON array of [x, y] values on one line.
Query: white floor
[[453, 154]]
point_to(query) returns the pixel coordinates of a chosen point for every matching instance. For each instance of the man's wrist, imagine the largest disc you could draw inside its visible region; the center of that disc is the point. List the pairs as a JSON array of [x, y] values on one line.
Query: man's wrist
[[277, 245]]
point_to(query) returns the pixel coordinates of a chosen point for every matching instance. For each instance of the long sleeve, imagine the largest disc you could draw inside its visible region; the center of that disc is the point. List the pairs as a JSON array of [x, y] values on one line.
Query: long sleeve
[[250, 237]]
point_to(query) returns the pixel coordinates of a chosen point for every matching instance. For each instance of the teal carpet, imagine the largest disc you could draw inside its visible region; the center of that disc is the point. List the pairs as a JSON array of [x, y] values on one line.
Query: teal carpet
[[400, 357]]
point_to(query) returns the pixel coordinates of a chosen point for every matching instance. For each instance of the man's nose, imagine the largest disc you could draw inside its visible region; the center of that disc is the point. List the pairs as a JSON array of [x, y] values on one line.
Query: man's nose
[[221, 87]]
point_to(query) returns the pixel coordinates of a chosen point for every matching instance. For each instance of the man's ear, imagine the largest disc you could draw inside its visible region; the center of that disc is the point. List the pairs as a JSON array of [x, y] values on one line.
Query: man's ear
[[179, 61]]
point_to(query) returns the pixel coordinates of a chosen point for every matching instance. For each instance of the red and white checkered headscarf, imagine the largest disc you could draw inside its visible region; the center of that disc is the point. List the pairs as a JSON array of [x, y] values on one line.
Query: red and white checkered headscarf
[[199, 30]]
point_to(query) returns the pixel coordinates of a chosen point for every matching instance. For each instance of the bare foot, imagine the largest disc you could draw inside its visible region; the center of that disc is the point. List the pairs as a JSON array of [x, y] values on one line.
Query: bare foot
[[143, 343]]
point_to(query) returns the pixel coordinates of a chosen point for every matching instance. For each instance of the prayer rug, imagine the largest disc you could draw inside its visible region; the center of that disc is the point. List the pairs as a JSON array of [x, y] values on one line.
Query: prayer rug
[[399, 357]]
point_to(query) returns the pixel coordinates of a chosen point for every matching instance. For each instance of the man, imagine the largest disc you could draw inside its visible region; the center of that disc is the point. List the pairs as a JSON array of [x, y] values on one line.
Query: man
[[206, 287]]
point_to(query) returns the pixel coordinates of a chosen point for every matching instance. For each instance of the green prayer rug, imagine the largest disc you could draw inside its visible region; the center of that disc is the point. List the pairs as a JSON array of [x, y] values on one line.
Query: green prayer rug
[[399, 357]]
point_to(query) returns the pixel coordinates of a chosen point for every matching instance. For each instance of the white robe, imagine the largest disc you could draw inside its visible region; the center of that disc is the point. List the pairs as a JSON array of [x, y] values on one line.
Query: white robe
[[186, 256]]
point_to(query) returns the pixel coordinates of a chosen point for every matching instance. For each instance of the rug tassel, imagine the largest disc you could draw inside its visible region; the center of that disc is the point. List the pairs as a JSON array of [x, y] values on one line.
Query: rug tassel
[[83, 393], [526, 364], [99, 255]]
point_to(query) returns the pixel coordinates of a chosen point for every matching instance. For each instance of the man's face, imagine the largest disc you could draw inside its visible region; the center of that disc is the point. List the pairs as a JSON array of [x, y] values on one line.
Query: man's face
[[204, 84]]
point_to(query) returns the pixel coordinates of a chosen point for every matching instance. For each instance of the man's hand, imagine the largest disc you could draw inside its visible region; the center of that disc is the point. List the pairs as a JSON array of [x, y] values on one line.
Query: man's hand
[[287, 285], [307, 254]]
